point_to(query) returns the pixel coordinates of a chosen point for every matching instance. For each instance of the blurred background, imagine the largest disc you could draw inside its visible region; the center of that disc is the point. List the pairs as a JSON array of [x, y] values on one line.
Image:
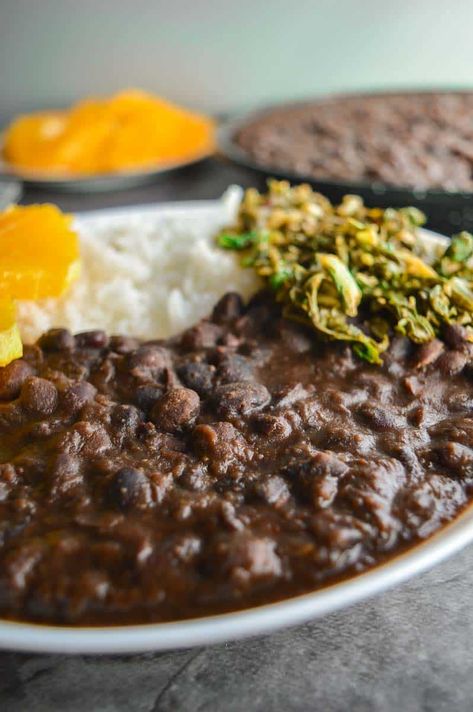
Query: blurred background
[[222, 56]]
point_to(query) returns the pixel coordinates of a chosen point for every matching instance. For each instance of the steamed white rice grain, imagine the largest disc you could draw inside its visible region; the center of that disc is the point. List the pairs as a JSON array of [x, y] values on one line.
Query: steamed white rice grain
[[146, 273]]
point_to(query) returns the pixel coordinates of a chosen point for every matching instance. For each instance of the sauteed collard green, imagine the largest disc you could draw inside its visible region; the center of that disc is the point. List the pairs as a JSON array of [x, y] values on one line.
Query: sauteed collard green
[[355, 273]]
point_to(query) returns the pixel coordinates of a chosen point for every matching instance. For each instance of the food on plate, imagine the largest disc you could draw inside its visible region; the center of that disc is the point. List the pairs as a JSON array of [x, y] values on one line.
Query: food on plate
[[144, 273], [418, 140], [39, 257], [10, 339], [354, 273], [39, 252], [129, 131], [239, 462], [187, 467]]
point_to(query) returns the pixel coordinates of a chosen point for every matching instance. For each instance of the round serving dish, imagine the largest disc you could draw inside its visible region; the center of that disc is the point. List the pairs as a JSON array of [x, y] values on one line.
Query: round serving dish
[[254, 621], [447, 211]]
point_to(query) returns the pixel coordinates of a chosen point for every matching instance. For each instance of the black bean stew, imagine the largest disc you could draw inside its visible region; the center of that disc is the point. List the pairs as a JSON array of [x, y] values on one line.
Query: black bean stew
[[239, 463], [420, 140]]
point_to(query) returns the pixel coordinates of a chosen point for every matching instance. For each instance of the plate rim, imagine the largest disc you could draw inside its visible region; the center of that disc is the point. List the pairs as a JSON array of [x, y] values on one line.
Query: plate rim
[[100, 180]]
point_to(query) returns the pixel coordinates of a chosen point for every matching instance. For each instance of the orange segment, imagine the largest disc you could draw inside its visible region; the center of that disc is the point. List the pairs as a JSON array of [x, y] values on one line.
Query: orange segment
[[150, 129], [32, 139], [10, 341], [39, 252], [130, 130]]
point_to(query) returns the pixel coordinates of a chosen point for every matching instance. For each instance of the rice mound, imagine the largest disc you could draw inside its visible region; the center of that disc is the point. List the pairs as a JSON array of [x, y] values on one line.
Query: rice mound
[[146, 273]]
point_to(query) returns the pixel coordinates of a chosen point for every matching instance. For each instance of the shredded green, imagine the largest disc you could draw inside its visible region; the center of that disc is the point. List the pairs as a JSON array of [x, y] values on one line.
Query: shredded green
[[357, 274]]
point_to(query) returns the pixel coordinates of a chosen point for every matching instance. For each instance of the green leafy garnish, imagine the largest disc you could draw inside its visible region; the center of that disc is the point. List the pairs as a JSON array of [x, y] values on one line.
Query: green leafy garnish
[[461, 247], [280, 277], [456, 256], [347, 288], [357, 274], [235, 241]]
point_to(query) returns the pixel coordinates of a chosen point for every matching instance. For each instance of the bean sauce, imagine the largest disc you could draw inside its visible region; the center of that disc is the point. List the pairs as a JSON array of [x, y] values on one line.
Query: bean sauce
[[238, 463]]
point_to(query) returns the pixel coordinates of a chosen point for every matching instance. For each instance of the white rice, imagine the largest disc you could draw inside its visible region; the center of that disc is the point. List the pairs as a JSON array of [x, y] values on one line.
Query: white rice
[[147, 273]]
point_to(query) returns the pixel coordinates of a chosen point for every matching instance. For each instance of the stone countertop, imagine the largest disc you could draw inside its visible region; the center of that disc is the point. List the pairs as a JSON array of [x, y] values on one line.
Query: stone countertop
[[408, 650]]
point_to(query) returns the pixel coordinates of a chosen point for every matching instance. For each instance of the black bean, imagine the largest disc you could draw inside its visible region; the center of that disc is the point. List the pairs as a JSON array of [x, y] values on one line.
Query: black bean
[[452, 362], [123, 344], [428, 353], [198, 376], [455, 335], [126, 418], [74, 398], [130, 489], [176, 409], [275, 427], [234, 367], [95, 339], [11, 416], [146, 396], [204, 335], [229, 307], [57, 340], [240, 399], [39, 397], [148, 362], [12, 378]]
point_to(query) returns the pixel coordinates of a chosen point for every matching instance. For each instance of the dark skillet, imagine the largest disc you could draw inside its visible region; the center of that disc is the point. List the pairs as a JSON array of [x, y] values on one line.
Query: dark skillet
[[447, 211]]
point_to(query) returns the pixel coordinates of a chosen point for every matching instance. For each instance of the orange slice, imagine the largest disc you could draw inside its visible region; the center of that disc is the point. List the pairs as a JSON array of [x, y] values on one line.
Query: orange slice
[[39, 252], [10, 340], [128, 131], [39, 257]]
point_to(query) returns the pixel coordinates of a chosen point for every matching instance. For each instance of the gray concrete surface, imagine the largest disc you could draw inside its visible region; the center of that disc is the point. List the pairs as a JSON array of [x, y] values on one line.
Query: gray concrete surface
[[409, 650]]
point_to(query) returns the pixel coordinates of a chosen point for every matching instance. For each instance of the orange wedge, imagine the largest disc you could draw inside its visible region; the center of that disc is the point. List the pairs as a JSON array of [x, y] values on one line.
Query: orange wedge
[[39, 252], [10, 341]]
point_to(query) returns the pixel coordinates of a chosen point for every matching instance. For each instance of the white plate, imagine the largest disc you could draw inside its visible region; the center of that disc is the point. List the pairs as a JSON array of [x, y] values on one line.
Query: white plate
[[264, 619], [10, 192]]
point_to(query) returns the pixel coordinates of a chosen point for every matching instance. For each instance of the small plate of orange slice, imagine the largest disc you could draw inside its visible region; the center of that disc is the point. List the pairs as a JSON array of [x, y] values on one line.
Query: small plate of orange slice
[[105, 143]]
